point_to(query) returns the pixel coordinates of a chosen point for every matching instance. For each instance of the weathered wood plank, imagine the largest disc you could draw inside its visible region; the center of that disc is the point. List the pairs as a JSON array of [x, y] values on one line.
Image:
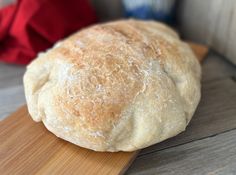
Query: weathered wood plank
[[10, 75], [216, 67], [11, 89], [10, 99], [213, 155], [216, 113]]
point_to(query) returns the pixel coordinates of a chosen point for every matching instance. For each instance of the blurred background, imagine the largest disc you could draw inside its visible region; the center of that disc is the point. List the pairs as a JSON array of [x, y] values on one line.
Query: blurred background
[[30, 26], [210, 22]]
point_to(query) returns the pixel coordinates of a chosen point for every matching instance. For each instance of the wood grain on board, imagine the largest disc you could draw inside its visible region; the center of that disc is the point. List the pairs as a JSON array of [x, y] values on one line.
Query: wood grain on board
[[28, 148]]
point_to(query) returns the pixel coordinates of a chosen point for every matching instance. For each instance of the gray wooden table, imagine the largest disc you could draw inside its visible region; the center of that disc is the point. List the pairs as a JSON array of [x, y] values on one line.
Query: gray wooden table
[[208, 146]]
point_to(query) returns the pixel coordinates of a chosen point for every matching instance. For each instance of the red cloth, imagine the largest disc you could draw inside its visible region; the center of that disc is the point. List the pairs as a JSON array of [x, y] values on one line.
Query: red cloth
[[30, 26]]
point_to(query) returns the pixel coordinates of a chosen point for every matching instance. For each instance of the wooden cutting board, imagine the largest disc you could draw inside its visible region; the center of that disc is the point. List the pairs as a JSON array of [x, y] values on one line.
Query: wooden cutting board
[[27, 147]]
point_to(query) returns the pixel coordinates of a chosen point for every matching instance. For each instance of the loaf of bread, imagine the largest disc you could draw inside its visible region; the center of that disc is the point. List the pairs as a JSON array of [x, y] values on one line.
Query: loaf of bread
[[118, 86]]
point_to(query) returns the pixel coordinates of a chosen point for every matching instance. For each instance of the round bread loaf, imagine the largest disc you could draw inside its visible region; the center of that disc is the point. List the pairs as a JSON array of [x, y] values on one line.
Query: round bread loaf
[[118, 86]]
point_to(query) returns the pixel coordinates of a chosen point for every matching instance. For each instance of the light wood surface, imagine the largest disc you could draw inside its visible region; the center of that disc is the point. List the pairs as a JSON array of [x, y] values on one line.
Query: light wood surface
[[28, 148], [199, 50]]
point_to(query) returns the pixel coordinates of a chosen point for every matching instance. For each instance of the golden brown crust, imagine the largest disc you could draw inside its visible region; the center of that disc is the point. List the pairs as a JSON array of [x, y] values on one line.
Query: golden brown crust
[[90, 88]]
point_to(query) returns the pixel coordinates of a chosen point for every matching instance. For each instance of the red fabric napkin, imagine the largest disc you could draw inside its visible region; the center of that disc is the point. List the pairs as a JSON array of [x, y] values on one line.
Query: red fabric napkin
[[30, 26]]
